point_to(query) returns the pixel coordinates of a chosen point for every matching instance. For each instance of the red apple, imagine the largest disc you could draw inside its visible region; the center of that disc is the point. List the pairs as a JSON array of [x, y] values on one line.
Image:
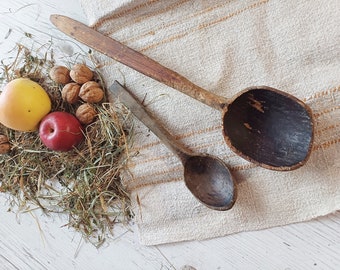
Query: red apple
[[60, 131]]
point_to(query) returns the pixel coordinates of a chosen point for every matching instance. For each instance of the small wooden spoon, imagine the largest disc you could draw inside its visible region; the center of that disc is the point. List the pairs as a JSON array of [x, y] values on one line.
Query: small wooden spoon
[[268, 127], [207, 177]]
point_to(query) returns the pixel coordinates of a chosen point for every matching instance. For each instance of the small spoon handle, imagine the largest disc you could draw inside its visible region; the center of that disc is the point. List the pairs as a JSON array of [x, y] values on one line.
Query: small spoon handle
[[129, 100], [135, 60]]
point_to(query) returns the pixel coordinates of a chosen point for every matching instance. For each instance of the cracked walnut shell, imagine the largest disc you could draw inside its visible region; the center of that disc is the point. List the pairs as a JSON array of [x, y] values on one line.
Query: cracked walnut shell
[[60, 74], [80, 73], [86, 113], [91, 92], [5, 146], [70, 93]]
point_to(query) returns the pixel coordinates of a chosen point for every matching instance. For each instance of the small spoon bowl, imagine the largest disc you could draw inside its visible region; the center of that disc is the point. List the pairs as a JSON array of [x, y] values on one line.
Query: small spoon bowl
[[210, 181], [208, 178]]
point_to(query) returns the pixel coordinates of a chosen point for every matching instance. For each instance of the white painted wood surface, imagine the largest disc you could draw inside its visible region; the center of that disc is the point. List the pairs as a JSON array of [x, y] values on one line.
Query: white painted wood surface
[[35, 241]]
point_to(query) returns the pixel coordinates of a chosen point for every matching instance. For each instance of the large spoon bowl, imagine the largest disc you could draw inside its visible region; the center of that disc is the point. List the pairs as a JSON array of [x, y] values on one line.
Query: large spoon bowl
[[268, 127], [207, 177]]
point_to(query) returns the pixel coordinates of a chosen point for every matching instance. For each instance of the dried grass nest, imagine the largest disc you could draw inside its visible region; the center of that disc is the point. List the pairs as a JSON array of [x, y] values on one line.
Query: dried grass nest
[[85, 182]]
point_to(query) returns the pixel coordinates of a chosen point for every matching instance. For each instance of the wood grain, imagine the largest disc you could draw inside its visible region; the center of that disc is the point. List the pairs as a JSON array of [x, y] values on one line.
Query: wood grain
[[36, 241], [135, 60]]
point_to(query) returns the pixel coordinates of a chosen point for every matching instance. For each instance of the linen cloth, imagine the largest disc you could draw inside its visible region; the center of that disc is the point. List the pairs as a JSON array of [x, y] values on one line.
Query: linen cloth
[[224, 47]]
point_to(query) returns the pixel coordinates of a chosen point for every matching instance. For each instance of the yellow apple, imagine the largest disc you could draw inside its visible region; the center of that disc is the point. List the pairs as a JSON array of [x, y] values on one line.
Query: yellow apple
[[23, 103]]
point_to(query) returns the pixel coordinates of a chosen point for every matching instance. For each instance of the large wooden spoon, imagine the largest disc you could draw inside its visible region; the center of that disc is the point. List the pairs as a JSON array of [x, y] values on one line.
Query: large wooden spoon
[[268, 127]]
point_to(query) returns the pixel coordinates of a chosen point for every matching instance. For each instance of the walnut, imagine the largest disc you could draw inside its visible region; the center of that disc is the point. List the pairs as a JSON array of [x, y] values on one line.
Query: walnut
[[60, 74], [91, 92], [80, 73], [86, 113], [5, 146], [70, 93]]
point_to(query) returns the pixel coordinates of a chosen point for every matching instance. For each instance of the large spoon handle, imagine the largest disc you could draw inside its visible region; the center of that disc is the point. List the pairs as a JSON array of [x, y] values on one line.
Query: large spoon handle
[[117, 91], [135, 60]]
